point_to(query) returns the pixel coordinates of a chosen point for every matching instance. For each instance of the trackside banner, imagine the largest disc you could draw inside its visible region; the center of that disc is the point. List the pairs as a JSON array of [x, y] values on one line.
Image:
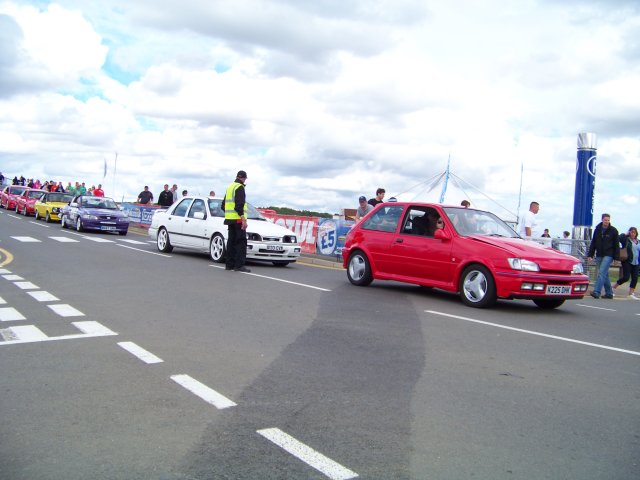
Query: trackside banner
[[305, 228], [140, 214]]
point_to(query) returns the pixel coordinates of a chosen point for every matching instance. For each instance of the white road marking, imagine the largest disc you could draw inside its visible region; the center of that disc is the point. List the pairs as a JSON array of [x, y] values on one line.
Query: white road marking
[[135, 242], [99, 239], [43, 296], [65, 310], [94, 329], [27, 239], [8, 314], [12, 278], [597, 308], [201, 390], [141, 353], [145, 251], [30, 333], [276, 279], [323, 464], [26, 285], [64, 239], [4, 271], [539, 334], [27, 333], [39, 224], [2, 301]]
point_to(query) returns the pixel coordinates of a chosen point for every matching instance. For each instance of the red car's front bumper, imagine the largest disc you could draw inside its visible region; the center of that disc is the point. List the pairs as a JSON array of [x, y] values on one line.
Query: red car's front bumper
[[531, 285]]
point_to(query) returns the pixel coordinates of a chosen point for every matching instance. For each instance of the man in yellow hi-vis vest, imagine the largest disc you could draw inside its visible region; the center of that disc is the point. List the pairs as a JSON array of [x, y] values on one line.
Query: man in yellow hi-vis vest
[[235, 217]]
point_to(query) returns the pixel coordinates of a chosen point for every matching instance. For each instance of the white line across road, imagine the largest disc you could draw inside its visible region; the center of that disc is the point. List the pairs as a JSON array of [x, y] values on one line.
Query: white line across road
[[145, 251], [276, 279], [12, 278], [65, 239], [26, 286], [27, 239], [205, 393], [141, 353], [531, 332], [65, 310], [43, 296], [10, 314], [2, 301], [31, 333], [308, 455], [596, 308]]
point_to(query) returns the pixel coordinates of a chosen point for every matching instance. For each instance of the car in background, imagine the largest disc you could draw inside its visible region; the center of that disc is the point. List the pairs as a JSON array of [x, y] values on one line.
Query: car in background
[[197, 223], [462, 250], [26, 201], [10, 195], [50, 205], [86, 212]]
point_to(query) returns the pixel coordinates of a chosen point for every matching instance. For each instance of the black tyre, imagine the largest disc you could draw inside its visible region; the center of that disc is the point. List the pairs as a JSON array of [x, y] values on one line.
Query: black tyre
[[47, 217], [280, 264], [477, 287], [36, 214], [163, 243], [548, 303], [217, 248], [359, 269], [63, 221], [123, 234]]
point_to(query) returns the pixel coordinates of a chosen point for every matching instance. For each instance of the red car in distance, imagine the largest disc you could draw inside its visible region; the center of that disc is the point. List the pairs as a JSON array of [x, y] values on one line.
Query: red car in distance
[[10, 195], [25, 203], [462, 250]]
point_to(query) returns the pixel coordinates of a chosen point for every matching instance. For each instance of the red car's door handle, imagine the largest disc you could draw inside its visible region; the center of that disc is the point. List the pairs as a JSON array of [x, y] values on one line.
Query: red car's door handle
[[399, 240]]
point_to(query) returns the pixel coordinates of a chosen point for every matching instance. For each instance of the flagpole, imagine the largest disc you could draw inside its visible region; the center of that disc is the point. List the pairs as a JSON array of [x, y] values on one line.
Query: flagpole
[[115, 167]]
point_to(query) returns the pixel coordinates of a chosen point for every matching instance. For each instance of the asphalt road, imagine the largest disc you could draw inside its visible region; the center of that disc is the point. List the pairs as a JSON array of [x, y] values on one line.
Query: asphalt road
[[293, 373]]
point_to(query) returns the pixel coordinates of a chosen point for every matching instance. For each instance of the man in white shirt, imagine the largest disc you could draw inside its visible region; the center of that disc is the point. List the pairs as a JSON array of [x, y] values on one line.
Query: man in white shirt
[[528, 225]]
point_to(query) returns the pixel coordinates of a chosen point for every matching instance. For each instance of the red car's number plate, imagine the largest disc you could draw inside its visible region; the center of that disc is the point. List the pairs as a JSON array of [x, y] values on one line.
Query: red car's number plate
[[558, 289]]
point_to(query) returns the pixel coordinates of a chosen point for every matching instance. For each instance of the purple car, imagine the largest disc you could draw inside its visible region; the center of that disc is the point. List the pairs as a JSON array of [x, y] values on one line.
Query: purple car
[[87, 212]]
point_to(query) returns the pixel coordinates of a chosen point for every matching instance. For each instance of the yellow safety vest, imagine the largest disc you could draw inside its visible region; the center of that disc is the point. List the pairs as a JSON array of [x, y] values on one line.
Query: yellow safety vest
[[230, 202]]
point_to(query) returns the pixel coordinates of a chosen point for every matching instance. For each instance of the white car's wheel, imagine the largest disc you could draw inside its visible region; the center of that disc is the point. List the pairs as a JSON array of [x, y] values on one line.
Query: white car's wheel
[[163, 242], [217, 248]]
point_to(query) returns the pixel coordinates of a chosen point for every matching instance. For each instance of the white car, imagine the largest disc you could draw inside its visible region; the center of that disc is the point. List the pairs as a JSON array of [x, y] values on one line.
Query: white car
[[197, 223]]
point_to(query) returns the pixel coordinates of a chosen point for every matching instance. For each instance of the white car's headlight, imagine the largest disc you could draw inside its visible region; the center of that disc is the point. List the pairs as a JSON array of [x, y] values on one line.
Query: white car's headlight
[[524, 265], [577, 268]]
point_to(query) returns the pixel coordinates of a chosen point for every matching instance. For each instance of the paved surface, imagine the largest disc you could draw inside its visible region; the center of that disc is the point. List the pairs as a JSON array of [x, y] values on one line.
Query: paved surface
[[151, 366]]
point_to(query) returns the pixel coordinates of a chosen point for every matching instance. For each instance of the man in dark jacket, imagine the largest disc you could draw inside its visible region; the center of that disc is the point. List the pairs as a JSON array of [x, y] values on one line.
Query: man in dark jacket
[[604, 248], [165, 199]]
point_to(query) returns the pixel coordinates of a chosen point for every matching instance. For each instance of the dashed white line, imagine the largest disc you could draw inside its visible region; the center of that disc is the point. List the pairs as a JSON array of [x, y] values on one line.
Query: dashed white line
[[201, 390], [531, 332], [315, 459], [2, 301], [31, 333], [65, 239], [26, 334], [9, 314], [4, 271], [99, 239], [12, 278], [141, 353], [43, 296], [134, 242], [276, 279], [26, 285], [145, 251], [27, 239], [94, 329], [597, 308], [65, 310]]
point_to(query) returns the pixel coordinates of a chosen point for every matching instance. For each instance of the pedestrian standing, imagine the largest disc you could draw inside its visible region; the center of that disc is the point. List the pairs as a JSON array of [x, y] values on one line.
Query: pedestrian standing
[[378, 198], [630, 264], [234, 206], [363, 208], [529, 224], [604, 248], [165, 199]]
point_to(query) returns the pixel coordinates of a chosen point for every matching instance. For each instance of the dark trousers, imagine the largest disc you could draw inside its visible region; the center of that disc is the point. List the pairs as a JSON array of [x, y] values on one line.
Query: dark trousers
[[627, 270], [236, 246]]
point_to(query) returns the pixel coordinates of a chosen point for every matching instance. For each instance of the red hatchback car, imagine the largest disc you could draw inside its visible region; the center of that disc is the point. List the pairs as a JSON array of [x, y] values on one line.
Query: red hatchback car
[[461, 250], [10, 195], [26, 202]]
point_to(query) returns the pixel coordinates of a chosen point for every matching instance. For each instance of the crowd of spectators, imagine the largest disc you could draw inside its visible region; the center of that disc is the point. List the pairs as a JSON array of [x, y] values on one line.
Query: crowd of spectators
[[52, 186]]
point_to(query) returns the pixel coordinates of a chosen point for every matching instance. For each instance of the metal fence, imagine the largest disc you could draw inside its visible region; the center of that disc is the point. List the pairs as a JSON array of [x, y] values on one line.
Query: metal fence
[[577, 248]]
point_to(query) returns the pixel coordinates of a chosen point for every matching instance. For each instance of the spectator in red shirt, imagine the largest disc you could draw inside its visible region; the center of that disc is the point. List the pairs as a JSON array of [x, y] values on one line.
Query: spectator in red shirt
[[98, 192]]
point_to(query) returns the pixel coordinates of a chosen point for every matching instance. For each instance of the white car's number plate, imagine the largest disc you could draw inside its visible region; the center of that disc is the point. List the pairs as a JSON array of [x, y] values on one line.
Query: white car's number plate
[[558, 289], [275, 248], [107, 228]]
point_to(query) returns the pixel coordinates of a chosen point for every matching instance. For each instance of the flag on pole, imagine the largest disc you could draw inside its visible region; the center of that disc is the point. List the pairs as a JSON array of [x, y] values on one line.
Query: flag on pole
[[105, 168]]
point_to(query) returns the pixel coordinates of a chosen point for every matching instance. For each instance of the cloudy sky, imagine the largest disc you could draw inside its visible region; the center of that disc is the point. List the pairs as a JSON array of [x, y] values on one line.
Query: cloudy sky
[[322, 101]]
